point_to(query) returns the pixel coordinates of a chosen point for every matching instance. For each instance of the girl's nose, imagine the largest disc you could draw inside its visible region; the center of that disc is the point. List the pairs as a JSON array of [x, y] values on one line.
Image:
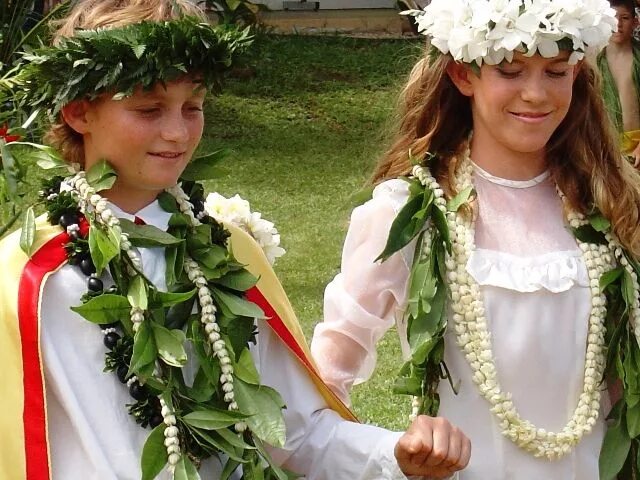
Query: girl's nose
[[533, 89]]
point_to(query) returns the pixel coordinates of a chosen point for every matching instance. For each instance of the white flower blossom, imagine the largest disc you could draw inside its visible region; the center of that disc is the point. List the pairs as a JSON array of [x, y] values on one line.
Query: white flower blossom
[[237, 211]]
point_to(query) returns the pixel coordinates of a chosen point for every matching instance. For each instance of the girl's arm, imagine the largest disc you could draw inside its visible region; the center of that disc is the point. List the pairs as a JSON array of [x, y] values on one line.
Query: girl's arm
[[361, 302], [322, 446]]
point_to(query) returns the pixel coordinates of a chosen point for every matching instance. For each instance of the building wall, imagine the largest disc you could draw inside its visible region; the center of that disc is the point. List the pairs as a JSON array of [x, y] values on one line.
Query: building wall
[[337, 4]]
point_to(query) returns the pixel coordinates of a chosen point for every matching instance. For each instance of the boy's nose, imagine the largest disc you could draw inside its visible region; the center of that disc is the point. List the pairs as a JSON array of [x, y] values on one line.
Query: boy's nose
[[175, 129]]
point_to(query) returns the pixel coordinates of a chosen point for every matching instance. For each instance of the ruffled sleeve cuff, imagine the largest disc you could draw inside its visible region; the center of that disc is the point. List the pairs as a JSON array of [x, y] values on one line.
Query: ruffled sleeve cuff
[[555, 271]]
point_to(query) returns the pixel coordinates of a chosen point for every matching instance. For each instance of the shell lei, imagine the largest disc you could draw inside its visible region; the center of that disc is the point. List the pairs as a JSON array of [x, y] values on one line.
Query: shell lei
[[473, 337], [179, 426]]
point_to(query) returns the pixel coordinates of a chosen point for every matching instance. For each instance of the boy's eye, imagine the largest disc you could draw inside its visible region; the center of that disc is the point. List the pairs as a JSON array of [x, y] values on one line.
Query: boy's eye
[[148, 110]]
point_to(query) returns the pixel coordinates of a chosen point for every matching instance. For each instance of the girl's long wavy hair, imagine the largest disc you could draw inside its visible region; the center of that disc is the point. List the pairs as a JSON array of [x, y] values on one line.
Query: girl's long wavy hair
[[92, 14], [583, 153]]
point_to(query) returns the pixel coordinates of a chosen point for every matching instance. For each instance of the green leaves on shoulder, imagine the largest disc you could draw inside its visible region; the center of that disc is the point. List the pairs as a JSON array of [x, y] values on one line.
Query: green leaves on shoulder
[[419, 209], [410, 220], [205, 167]]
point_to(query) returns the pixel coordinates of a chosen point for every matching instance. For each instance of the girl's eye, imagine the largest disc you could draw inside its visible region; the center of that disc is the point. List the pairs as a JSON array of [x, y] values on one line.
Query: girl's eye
[[554, 74], [508, 73]]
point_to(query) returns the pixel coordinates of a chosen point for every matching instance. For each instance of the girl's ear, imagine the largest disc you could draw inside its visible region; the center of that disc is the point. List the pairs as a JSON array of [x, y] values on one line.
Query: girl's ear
[[576, 69], [75, 115], [459, 75]]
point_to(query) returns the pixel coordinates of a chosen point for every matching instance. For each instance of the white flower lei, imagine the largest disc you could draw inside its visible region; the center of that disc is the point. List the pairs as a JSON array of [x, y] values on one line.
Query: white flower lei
[[90, 202], [473, 337], [491, 30]]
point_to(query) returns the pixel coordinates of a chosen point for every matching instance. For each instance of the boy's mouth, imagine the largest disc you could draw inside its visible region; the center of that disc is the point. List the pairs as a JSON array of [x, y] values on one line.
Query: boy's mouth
[[167, 154]]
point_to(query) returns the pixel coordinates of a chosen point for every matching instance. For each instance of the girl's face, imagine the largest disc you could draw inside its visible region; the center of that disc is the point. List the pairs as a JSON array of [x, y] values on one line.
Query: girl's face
[[517, 106], [148, 138]]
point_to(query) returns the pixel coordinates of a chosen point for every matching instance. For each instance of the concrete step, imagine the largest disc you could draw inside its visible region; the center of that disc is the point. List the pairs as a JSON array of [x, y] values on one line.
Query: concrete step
[[383, 21]]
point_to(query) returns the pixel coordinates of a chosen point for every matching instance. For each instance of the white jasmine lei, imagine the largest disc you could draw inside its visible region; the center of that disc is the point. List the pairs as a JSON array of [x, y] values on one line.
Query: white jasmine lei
[[473, 337], [491, 31]]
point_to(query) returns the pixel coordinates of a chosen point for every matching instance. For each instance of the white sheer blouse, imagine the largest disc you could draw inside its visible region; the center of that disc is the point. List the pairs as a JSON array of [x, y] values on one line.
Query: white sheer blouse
[[535, 287]]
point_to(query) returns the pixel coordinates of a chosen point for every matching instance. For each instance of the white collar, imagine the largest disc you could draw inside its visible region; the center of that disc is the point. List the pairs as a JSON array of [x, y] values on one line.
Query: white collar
[[152, 214], [511, 183]]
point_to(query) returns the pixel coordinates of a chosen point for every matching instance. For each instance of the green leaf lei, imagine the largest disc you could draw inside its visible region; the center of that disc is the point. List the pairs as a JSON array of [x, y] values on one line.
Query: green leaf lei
[[426, 313], [149, 356], [117, 60]]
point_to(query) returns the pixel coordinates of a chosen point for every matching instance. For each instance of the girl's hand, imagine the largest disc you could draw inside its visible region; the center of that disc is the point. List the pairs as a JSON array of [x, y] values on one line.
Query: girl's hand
[[432, 447]]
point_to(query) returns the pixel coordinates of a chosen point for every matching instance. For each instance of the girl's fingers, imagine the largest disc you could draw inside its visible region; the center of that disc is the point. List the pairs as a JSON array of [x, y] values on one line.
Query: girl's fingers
[[455, 449], [440, 451], [465, 453]]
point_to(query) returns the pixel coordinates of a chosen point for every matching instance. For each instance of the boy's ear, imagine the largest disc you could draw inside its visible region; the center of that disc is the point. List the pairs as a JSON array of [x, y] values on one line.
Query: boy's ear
[[75, 115], [459, 75]]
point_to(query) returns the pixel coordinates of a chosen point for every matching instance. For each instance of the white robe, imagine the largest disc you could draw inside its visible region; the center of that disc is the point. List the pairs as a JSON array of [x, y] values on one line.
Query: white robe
[[92, 437]]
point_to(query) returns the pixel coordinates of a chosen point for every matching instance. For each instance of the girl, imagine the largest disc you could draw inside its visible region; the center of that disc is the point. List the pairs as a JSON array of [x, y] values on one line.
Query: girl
[[496, 257], [135, 253]]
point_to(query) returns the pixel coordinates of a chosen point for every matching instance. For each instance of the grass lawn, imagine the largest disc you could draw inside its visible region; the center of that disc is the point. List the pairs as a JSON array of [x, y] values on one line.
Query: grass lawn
[[304, 133]]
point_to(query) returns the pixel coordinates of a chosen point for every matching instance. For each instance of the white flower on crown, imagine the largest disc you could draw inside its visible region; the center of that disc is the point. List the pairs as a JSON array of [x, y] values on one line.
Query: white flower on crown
[[237, 211], [490, 31]]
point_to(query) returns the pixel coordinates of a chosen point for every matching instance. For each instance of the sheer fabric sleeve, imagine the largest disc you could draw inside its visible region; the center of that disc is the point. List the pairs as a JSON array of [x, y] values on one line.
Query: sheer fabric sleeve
[[361, 302]]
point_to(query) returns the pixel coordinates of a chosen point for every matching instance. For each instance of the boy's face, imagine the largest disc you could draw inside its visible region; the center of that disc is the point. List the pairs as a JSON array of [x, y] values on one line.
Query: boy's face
[[626, 24], [148, 138]]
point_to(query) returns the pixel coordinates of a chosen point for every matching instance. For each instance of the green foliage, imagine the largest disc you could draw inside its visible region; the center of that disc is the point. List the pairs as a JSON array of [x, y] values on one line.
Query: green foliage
[[619, 454], [427, 293], [154, 454], [234, 12], [19, 28]]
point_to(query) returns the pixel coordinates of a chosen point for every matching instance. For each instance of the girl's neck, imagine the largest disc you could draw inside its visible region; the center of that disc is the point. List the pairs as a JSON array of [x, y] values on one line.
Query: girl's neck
[[504, 163]]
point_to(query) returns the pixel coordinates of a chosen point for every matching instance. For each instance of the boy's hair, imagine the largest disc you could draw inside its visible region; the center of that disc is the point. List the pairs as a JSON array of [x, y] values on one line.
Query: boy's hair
[[92, 14], [583, 155], [630, 5]]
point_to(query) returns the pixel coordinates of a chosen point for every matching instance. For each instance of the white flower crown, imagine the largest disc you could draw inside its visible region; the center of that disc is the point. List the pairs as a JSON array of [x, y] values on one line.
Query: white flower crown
[[491, 31]]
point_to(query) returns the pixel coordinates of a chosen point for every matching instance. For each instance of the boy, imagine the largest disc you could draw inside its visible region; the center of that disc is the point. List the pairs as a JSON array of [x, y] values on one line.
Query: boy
[[74, 421], [619, 65]]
